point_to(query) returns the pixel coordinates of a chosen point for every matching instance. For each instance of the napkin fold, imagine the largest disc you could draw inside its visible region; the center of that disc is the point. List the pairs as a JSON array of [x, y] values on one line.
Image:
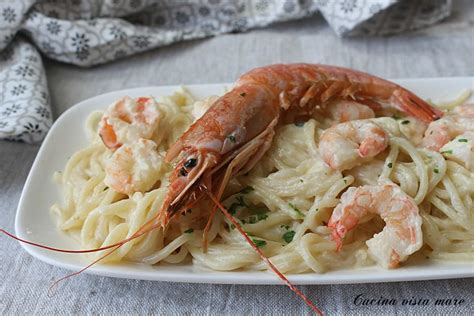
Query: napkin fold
[[91, 32]]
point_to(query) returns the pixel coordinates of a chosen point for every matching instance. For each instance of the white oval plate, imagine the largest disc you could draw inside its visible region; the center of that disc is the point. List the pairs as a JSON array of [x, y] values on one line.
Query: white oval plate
[[35, 223]]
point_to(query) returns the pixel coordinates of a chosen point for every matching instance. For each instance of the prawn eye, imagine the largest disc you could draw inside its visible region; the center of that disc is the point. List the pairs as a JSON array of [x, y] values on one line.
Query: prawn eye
[[190, 163]]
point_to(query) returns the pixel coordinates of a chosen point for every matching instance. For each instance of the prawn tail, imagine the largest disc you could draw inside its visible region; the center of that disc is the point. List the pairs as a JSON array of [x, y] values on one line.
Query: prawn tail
[[262, 255], [336, 235], [337, 239], [415, 106]]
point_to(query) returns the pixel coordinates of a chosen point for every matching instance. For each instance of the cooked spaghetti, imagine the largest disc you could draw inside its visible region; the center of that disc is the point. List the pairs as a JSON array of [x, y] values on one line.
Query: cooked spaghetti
[[284, 202]]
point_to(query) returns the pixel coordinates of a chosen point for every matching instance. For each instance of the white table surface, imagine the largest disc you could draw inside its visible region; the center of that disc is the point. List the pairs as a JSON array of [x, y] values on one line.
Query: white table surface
[[446, 49]]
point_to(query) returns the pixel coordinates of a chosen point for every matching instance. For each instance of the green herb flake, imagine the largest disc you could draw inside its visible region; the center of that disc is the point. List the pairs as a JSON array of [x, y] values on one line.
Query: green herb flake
[[405, 122], [288, 236], [390, 165], [259, 243], [247, 189], [285, 226], [243, 94], [253, 219], [232, 226], [301, 180], [231, 138], [188, 231], [296, 209], [447, 152], [436, 170], [233, 208], [299, 124], [462, 140]]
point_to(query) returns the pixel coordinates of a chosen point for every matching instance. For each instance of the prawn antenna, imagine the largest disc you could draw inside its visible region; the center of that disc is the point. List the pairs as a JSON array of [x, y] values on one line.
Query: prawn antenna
[[262, 255], [75, 251], [55, 283], [147, 227]]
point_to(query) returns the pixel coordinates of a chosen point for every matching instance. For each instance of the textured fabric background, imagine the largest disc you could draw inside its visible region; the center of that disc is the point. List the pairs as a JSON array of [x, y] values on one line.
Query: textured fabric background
[[442, 50], [91, 32]]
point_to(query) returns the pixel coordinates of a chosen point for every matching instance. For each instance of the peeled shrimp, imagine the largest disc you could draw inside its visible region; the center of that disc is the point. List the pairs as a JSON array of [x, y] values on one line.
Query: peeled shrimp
[[347, 110], [461, 150], [128, 120], [401, 236], [413, 129], [440, 132], [133, 167], [349, 144]]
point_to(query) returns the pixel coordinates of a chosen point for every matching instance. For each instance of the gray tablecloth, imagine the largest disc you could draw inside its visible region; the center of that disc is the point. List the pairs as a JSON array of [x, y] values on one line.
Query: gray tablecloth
[[443, 50]]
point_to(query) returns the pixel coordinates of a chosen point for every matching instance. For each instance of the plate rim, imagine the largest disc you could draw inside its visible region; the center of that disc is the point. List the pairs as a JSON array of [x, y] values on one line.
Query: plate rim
[[218, 277]]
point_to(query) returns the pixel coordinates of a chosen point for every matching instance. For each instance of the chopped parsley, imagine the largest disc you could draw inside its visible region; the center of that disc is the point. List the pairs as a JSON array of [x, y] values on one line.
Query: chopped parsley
[[259, 243], [288, 236], [188, 231], [231, 138], [447, 152], [261, 216], [405, 122], [243, 94], [390, 165], [285, 226], [462, 140], [257, 218], [253, 219], [436, 170], [296, 209], [234, 206], [301, 180], [258, 213]]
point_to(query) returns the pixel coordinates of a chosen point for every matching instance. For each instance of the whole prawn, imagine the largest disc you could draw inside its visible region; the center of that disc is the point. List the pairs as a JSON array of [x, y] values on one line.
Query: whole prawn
[[402, 234], [237, 130]]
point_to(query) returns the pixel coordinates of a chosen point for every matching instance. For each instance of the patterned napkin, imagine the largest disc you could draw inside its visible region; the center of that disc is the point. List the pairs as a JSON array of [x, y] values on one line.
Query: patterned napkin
[[91, 32]]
